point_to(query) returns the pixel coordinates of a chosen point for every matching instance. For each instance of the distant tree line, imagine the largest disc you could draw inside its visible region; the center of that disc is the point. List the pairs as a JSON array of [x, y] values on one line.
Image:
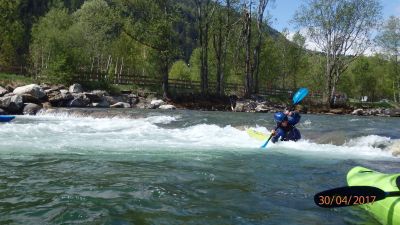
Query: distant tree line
[[215, 41]]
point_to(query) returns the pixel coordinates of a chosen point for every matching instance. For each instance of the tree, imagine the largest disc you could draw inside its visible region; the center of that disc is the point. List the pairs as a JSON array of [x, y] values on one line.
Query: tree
[[11, 33], [389, 41], [151, 23], [204, 12], [53, 47], [180, 70], [221, 31], [252, 61], [365, 81], [296, 57], [341, 29]]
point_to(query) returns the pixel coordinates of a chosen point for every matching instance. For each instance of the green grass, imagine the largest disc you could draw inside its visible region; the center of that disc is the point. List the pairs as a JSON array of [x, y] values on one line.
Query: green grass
[[15, 80], [372, 105]]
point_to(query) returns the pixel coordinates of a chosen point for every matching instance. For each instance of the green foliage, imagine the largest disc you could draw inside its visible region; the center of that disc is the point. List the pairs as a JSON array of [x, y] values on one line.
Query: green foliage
[[11, 33], [55, 51], [194, 64], [180, 70], [59, 39], [14, 79], [367, 82]]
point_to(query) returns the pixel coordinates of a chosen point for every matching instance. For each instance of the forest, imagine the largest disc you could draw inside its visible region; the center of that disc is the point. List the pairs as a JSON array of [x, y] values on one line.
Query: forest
[[211, 42]]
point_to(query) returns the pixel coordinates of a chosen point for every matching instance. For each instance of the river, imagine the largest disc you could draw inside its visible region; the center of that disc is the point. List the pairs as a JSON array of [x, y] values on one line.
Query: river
[[182, 167]]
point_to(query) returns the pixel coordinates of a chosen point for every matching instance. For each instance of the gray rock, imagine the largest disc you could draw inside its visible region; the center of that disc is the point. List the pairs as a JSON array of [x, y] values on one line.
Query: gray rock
[[337, 111], [46, 105], [94, 98], [61, 98], [262, 109], [115, 99], [12, 104], [80, 100], [102, 104], [167, 107], [395, 112], [358, 112], [9, 94], [2, 112], [3, 91], [45, 87], [9, 88], [120, 105], [245, 106], [31, 109], [100, 93], [386, 112], [239, 107], [33, 90], [76, 88], [157, 102], [64, 91]]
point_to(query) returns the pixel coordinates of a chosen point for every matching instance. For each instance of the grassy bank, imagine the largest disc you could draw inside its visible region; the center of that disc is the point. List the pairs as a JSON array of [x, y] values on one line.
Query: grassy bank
[[15, 80]]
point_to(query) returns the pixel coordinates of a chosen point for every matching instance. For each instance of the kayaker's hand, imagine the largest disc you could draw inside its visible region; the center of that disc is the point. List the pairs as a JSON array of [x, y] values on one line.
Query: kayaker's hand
[[288, 113], [273, 133]]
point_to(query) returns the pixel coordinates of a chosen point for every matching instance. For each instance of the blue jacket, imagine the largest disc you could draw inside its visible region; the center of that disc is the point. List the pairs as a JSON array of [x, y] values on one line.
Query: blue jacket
[[294, 118], [289, 133]]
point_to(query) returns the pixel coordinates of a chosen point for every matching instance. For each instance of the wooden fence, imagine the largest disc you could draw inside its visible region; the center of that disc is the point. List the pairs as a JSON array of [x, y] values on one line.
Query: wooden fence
[[184, 86], [175, 85], [19, 70]]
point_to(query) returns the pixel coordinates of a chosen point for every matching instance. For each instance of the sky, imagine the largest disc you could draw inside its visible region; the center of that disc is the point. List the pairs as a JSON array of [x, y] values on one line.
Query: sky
[[282, 12]]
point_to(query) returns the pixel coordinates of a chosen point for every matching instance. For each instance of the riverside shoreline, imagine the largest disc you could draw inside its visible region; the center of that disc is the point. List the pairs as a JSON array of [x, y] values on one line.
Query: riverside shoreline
[[32, 98]]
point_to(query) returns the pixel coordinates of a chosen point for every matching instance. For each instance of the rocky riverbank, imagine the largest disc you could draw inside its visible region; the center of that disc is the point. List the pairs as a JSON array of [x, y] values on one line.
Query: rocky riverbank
[[30, 99]]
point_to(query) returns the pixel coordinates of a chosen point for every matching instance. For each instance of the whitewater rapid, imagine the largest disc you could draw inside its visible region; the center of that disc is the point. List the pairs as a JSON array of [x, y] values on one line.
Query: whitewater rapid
[[66, 133]]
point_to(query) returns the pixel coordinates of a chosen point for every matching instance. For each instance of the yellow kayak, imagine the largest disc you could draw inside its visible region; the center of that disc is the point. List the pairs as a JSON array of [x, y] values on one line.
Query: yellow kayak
[[258, 135]]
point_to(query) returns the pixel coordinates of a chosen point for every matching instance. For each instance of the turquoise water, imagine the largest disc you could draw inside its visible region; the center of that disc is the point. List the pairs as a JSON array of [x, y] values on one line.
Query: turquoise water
[[182, 167]]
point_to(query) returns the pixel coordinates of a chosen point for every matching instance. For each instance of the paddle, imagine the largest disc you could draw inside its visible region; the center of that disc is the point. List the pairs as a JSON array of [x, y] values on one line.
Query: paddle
[[297, 98], [351, 195]]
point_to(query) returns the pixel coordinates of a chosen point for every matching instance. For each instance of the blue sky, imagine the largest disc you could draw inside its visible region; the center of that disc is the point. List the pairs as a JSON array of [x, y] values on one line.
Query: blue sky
[[282, 11]]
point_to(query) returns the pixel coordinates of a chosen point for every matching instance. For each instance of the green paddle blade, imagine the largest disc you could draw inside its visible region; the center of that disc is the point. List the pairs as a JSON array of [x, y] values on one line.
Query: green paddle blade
[[348, 196]]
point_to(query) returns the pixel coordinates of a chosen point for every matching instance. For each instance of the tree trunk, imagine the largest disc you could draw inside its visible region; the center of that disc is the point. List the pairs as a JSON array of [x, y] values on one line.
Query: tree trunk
[[165, 77], [249, 75]]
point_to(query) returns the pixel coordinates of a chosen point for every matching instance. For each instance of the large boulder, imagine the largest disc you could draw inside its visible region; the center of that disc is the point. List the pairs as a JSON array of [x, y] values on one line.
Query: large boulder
[[79, 101], [395, 112], [34, 91], [156, 103], [262, 108], [94, 98], [60, 98], [3, 91], [245, 106], [31, 109], [358, 112], [12, 104], [76, 88]]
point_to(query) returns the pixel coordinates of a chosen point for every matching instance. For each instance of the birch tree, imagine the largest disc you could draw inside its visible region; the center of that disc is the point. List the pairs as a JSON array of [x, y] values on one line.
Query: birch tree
[[342, 31]]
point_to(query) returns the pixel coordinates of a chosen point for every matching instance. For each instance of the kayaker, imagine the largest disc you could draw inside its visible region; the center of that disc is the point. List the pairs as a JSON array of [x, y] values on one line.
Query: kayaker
[[285, 129]]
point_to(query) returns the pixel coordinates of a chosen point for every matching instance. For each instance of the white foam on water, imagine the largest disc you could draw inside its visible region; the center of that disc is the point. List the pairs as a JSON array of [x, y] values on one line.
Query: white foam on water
[[353, 149], [65, 133]]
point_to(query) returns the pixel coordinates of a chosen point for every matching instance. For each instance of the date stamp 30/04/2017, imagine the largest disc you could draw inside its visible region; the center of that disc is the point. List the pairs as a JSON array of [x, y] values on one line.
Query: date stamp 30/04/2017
[[338, 200]]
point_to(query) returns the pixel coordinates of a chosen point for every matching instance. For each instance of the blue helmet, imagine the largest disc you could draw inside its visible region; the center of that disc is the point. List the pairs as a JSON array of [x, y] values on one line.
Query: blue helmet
[[279, 117]]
